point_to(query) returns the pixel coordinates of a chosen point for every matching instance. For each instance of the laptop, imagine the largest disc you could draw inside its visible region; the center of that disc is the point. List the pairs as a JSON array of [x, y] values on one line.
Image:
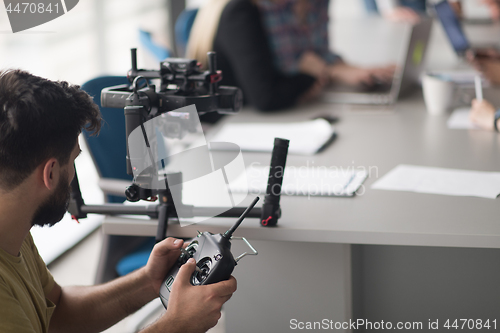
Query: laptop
[[406, 75]]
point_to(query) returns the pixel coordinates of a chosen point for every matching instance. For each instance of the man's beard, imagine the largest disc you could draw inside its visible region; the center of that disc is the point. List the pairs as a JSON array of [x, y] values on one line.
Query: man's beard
[[53, 209]]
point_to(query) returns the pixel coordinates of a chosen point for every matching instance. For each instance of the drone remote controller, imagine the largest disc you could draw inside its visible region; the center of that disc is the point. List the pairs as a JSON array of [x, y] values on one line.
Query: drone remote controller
[[212, 253]]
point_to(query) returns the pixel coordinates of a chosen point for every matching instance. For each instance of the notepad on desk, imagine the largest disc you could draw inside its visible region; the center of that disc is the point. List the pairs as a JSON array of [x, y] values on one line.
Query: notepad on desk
[[442, 181], [306, 138], [304, 181], [460, 119]]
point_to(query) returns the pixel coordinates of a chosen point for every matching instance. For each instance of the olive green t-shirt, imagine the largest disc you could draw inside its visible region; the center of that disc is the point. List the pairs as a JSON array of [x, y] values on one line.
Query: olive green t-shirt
[[25, 282]]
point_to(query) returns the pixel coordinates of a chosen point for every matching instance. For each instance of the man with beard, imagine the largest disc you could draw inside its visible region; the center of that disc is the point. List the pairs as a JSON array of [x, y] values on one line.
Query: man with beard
[[40, 121]]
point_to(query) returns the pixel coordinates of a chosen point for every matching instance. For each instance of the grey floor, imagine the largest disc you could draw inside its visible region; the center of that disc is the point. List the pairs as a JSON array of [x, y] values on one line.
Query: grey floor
[[78, 267]]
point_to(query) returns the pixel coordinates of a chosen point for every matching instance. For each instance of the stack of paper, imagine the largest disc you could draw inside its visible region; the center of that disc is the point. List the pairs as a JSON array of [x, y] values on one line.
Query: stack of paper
[[441, 181], [306, 138], [307, 181]]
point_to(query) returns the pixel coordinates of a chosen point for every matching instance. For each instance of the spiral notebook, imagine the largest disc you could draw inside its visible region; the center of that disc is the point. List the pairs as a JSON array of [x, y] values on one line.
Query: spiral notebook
[[304, 181]]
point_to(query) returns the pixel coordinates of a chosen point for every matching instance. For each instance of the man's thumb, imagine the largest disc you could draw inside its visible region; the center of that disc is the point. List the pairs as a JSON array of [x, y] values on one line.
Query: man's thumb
[[186, 271]]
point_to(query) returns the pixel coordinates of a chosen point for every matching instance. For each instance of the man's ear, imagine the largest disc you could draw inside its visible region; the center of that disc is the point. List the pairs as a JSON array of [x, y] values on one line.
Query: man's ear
[[50, 173]]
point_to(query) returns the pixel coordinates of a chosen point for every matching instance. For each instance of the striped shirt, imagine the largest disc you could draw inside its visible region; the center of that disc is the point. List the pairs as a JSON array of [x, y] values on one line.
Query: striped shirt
[[292, 31]]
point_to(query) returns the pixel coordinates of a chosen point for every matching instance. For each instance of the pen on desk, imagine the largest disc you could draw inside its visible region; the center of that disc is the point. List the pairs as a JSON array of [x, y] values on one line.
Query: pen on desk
[[479, 88]]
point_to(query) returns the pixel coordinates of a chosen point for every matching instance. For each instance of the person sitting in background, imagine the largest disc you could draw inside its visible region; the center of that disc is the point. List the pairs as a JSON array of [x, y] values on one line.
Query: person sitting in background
[[277, 52]]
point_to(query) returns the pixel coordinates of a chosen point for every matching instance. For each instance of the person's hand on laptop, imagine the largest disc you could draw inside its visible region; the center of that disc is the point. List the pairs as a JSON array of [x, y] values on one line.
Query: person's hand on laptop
[[340, 72], [359, 76], [383, 74], [487, 61]]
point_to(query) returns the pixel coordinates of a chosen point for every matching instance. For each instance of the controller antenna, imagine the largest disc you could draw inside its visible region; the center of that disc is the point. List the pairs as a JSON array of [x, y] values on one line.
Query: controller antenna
[[133, 54], [229, 233]]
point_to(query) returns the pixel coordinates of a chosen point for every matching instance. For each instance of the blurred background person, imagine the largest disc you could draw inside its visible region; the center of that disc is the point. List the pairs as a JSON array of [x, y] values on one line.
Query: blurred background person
[[277, 52]]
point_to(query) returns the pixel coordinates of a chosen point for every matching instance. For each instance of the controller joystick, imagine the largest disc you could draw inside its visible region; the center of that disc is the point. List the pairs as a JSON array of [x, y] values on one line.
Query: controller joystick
[[212, 253]]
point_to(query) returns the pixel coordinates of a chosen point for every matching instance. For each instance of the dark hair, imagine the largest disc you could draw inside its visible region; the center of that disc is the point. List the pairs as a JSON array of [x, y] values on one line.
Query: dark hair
[[39, 119]]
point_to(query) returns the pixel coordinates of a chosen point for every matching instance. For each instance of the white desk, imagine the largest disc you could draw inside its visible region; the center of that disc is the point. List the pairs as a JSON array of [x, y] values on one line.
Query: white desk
[[307, 269], [377, 142], [303, 270]]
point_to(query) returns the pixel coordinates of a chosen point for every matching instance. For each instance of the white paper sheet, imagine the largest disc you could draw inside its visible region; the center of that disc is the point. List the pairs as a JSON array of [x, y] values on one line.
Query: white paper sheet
[[441, 181], [306, 138], [459, 119], [307, 181]]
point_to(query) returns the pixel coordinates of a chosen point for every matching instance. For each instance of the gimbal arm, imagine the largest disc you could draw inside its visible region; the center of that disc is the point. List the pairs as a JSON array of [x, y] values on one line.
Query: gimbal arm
[[163, 211]]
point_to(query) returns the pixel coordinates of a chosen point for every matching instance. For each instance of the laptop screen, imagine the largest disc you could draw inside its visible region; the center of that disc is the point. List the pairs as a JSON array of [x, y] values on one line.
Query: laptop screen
[[452, 27]]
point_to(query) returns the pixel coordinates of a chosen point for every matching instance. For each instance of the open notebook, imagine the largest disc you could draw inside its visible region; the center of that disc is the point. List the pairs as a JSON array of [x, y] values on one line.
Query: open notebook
[[306, 138], [307, 181]]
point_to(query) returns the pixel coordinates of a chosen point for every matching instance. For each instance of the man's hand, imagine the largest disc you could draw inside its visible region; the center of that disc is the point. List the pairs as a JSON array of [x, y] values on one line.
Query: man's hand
[[95, 308], [161, 260], [482, 114], [196, 308], [357, 76], [383, 74]]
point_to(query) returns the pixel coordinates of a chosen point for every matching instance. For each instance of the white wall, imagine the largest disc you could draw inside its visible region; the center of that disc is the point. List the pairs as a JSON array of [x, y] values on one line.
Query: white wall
[[92, 39]]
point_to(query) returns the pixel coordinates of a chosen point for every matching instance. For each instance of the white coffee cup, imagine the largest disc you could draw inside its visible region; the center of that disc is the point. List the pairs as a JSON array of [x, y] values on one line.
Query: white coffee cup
[[438, 93]]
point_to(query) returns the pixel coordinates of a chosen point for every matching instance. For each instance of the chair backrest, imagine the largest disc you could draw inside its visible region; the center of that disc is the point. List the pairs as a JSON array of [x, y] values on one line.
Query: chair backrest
[[160, 52], [182, 29], [108, 149], [183, 26]]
